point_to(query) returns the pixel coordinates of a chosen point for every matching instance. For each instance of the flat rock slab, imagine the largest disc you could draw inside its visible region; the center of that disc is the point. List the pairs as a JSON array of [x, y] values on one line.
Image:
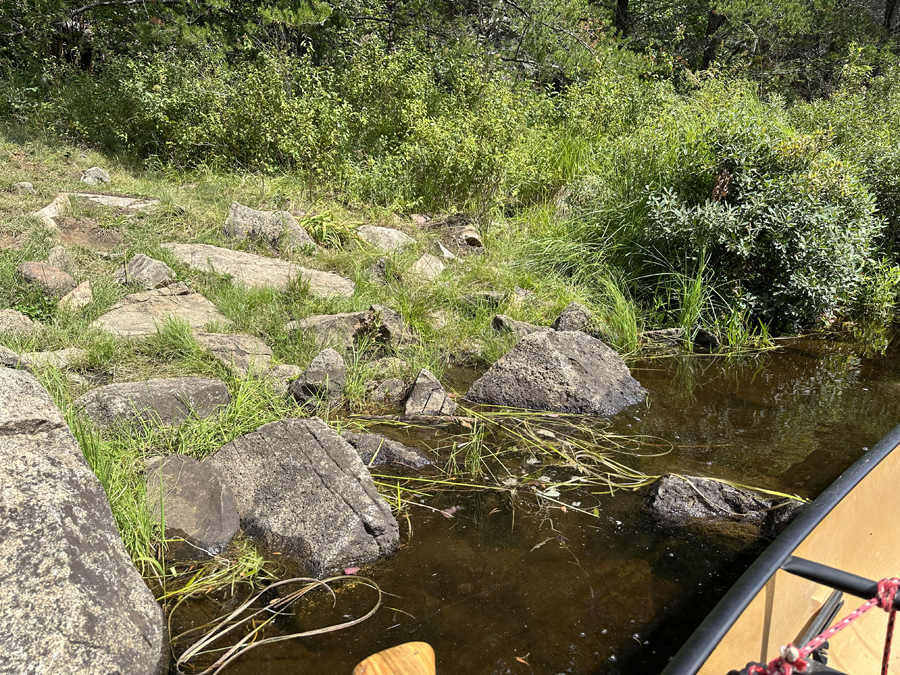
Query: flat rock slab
[[145, 271], [303, 491], [198, 507], [245, 355], [13, 321], [428, 397], [384, 238], [52, 281], [375, 450], [258, 270], [71, 601], [142, 313], [60, 358], [164, 402], [566, 371], [118, 201]]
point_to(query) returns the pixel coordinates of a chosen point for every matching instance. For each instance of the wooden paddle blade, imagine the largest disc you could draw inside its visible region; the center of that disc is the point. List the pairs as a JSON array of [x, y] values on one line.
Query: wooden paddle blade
[[410, 658]]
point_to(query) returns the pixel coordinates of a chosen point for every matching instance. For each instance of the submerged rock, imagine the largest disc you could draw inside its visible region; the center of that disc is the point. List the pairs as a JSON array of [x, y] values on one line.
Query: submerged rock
[[162, 402], [375, 450], [682, 498], [303, 491], [71, 600], [195, 503], [560, 371]]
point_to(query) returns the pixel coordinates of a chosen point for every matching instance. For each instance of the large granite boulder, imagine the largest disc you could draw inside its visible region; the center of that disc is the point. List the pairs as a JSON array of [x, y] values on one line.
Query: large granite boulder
[[273, 227], [303, 491], [195, 504], [142, 313], [164, 402], [71, 600], [253, 270], [566, 371]]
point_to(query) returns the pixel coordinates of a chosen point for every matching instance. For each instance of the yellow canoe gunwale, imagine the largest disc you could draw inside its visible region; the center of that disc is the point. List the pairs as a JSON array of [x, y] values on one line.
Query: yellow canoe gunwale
[[772, 606]]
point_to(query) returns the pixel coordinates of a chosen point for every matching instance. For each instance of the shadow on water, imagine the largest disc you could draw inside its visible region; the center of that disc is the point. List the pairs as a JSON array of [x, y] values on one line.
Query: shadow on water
[[509, 587]]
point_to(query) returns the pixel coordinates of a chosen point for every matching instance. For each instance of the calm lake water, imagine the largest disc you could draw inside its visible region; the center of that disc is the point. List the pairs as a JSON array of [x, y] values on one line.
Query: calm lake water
[[506, 587]]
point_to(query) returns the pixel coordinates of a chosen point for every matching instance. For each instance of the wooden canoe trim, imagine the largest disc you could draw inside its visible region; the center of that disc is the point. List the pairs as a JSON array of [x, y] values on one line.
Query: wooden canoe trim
[[410, 658]]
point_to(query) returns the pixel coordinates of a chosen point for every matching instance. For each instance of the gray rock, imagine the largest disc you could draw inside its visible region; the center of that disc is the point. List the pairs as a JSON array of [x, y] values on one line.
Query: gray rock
[[574, 317], [428, 397], [444, 252], [338, 330], [391, 391], [389, 326], [385, 238], [71, 600], [144, 271], [280, 377], [271, 226], [257, 270], [559, 371], [80, 296], [244, 355], [9, 359], [60, 258], [325, 377], [303, 491], [706, 340], [52, 281], [198, 507], [427, 268], [163, 402], [677, 499], [142, 313], [378, 271], [669, 337], [23, 188], [377, 450], [12, 321], [504, 324], [95, 175], [61, 358], [54, 209]]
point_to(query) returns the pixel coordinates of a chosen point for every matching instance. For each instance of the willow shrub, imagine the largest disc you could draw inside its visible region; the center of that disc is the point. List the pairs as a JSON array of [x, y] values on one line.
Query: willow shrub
[[789, 240]]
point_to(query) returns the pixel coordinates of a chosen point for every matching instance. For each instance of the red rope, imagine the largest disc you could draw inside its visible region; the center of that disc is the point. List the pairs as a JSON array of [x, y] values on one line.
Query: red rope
[[792, 659]]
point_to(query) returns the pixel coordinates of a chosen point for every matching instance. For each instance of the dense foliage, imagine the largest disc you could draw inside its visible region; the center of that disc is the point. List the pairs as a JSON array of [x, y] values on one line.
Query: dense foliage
[[752, 147]]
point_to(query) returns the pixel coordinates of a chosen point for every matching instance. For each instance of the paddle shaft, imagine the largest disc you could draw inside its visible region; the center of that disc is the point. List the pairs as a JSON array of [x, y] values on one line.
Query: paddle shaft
[[834, 578]]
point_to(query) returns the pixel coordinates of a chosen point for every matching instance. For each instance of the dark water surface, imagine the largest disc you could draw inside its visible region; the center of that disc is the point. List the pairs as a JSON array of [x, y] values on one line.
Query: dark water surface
[[508, 587]]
